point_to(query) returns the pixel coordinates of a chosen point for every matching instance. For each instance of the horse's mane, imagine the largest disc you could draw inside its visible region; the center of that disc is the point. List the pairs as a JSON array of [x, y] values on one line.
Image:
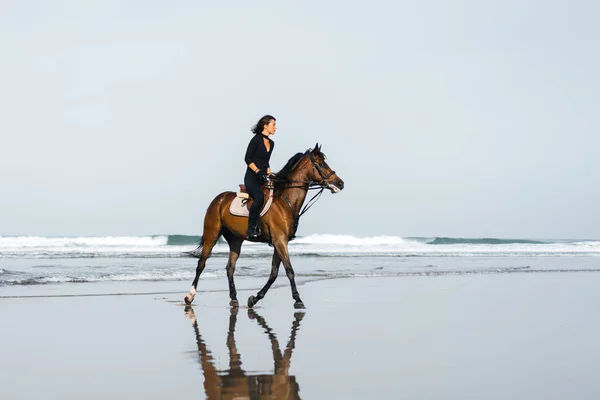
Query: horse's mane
[[283, 175]]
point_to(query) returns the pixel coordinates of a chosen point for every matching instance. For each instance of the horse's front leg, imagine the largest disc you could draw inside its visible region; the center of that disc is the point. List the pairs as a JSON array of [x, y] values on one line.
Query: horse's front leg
[[252, 300], [282, 248]]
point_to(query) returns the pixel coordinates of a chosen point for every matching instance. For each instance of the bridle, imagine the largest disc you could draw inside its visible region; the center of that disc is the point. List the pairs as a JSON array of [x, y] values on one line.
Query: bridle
[[308, 185], [324, 183]]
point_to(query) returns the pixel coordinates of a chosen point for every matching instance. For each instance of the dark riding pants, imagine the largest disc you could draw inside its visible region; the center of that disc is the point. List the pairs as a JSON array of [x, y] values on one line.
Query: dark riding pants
[[255, 191]]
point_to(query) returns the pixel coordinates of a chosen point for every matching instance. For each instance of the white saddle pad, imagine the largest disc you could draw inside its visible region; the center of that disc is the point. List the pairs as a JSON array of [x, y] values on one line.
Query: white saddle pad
[[238, 205]]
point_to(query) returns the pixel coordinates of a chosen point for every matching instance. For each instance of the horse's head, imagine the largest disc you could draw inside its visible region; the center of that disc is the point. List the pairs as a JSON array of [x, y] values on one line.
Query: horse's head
[[321, 173], [308, 169]]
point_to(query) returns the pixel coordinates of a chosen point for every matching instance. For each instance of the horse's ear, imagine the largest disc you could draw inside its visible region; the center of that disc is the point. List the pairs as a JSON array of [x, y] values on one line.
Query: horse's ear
[[316, 149]]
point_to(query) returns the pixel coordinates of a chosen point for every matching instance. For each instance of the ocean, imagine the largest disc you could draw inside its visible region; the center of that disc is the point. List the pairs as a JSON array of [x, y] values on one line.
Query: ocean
[[28, 260]]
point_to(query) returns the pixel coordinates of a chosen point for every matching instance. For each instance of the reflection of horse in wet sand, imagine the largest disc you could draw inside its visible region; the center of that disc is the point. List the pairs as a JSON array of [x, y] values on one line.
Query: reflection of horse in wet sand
[[235, 382]]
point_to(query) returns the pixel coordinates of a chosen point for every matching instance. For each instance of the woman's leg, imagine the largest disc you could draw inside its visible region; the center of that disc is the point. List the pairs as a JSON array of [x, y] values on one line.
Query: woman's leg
[[255, 191]]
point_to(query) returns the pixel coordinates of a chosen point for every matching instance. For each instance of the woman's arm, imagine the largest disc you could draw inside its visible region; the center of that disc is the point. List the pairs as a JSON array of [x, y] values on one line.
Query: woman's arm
[[272, 147], [253, 167], [249, 158]]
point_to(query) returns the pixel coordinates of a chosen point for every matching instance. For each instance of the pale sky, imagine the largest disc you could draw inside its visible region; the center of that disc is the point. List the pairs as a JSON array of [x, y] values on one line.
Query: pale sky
[[445, 118]]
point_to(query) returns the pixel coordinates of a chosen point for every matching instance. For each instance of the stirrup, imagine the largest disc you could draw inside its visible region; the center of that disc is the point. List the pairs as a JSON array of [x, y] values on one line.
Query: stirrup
[[253, 238]]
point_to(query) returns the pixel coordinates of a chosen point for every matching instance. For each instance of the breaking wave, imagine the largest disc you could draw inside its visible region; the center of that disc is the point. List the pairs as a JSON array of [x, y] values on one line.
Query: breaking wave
[[327, 245]]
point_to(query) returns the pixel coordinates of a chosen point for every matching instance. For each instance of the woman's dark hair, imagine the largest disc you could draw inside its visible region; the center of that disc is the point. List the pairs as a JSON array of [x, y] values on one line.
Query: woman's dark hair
[[260, 125]]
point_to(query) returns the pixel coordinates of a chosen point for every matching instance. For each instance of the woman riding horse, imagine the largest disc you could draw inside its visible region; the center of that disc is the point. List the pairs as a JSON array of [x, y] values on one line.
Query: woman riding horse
[[257, 159], [302, 172]]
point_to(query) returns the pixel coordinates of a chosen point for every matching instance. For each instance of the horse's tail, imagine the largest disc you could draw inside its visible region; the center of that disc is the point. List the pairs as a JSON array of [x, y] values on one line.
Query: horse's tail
[[198, 250]]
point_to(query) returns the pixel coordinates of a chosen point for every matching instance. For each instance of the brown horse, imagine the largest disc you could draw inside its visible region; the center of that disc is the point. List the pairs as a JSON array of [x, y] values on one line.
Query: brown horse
[[278, 226], [237, 383]]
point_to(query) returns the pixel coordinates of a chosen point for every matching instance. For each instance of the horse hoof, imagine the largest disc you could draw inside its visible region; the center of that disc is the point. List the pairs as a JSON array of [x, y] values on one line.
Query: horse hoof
[[234, 303], [299, 305], [251, 301], [187, 300]]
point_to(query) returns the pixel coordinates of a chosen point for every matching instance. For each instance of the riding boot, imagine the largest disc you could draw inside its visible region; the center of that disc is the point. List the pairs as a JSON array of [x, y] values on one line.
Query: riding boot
[[253, 232]]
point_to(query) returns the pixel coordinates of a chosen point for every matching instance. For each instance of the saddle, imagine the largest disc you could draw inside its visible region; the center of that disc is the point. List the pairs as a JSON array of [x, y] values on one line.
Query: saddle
[[240, 206]]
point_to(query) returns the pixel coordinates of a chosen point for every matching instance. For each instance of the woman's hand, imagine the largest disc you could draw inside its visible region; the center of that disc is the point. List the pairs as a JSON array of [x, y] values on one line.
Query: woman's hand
[[262, 177]]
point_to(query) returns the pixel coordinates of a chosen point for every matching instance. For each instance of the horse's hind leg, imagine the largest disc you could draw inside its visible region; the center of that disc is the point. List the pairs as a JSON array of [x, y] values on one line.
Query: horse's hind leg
[[252, 300], [235, 246], [212, 232]]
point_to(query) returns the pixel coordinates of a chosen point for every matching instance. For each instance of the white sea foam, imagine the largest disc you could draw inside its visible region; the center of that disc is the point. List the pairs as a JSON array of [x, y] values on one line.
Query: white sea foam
[[348, 240], [318, 244], [393, 245], [28, 242]]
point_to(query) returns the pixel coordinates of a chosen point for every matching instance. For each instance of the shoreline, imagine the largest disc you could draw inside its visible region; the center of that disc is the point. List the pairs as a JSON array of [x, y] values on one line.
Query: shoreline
[[218, 284]]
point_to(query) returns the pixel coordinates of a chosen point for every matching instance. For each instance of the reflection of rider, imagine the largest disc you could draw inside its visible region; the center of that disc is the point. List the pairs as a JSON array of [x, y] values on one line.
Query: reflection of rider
[[257, 159]]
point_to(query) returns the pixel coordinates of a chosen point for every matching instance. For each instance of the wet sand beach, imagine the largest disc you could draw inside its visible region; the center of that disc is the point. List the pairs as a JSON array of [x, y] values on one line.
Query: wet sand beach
[[519, 336]]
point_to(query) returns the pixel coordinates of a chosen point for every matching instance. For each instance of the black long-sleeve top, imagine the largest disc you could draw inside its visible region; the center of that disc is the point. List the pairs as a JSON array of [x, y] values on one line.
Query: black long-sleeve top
[[257, 152]]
